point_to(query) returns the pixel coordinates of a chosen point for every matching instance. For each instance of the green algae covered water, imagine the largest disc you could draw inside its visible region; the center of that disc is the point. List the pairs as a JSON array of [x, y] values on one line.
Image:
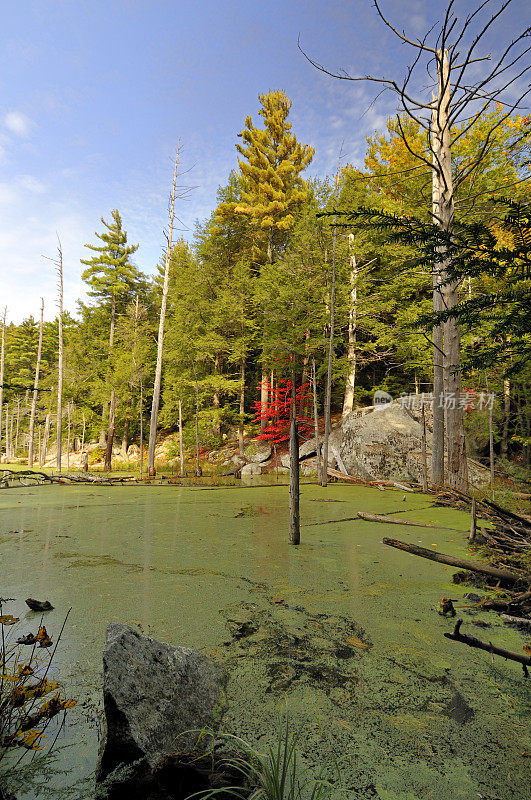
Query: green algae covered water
[[342, 629]]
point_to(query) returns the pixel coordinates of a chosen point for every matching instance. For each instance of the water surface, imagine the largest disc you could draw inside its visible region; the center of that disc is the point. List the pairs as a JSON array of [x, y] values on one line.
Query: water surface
[[342, 627]]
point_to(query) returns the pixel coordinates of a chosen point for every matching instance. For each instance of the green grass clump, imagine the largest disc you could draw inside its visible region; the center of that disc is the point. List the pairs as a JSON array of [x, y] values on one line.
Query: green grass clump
[[274, 775]]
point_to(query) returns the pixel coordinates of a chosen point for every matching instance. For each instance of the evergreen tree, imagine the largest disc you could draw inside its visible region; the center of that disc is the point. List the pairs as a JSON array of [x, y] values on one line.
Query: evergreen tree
[[113, 279], [272, 189]]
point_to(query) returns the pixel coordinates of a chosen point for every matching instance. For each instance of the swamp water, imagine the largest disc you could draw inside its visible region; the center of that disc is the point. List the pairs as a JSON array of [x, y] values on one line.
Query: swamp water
[[343, 628]]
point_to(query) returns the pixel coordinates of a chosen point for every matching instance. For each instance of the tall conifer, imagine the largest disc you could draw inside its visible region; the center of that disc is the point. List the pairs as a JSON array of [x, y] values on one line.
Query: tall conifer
[[112, 278]]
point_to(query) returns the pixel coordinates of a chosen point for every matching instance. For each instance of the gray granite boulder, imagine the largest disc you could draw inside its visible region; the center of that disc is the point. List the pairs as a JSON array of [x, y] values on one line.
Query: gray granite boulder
[[257, 452], [251, 469], [154, 695]]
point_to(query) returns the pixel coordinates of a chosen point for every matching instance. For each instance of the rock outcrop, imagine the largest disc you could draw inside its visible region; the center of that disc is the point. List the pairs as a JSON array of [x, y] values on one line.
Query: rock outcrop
[[156, 700], [257, 452], [384, 444]]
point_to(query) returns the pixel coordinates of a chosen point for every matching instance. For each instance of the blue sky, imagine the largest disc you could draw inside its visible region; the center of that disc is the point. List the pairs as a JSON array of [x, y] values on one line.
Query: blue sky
[[94, 97]]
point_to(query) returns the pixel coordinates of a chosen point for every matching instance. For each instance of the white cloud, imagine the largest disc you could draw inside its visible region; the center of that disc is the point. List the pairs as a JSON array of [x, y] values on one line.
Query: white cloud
[[18, 123]]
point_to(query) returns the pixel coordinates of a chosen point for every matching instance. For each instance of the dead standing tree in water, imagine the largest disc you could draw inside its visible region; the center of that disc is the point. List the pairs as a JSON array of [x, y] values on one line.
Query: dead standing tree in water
[[162, 321], [35, 393], [60, 360], [328, 393], [458, 101]]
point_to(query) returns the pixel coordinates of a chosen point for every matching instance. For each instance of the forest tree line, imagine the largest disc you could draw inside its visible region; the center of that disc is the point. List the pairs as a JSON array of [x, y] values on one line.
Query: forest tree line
[[249, 298]]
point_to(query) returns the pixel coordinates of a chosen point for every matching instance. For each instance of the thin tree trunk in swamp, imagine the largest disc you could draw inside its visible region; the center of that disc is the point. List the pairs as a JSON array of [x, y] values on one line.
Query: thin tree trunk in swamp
[[17, 425], [68, 437], [141, 420], [242, 408], [424, 457], [294, 516], [455, 429], [348, 402], [181, 448], [8, 441], [328, 395], [35, 392], [198, 470], [45, 439], [60, 366], [112, 403], [506, 415], [264, 396], [437, 449], [316, 422], [162, 321]]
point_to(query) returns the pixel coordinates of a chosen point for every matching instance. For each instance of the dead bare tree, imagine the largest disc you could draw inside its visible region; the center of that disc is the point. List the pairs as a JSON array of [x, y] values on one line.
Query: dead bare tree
[[328, 392], [316, 422], [35, 391], [294, 488], [162, 321], [60, 365], [181, 448], [449, 52]]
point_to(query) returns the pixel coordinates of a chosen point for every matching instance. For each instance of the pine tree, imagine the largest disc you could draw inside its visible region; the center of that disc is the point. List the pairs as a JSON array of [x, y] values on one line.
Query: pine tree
[[272, 189], [113, 279]]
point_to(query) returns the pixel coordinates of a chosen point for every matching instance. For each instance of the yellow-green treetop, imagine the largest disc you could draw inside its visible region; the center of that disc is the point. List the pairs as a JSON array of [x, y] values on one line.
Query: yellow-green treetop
[[272, 188]]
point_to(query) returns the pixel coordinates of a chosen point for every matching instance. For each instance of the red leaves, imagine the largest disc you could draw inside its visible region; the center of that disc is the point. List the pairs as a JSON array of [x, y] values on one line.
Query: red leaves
[[277, 411]]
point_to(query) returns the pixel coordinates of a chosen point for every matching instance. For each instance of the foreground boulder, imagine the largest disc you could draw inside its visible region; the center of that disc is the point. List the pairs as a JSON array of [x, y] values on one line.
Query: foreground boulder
[[154, 695]]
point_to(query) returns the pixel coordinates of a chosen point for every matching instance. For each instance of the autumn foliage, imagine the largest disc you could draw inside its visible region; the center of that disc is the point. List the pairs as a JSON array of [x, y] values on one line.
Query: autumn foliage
[[277, 411]]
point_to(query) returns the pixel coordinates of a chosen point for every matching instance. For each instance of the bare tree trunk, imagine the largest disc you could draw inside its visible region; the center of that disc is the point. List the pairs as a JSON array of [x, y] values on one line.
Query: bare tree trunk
[[17, 425], [35, 390], [437, 447], [241, 425], [112, 403], [491, 441], [162, 322], [216, 400], [61, 360], [348, 402], [294, 491], [68, 436], [316, 422], [198, 470], [125, 437], [424, 457], [8, 440], [181, 448], [455, 429], [328, 393], [264, 396], [2, 371], [45, 439], [83, 433], [504, 449], [141, 414]]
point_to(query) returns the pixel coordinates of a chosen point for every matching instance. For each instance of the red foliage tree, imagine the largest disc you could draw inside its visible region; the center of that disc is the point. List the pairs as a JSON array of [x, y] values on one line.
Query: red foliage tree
[[277, 411]]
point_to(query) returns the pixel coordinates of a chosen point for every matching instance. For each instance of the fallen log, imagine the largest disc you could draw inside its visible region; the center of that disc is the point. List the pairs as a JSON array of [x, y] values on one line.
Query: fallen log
[[503, 605], [463, 563], [526, 623], [471, 641], [506, 513], [334, 473], [381, 518]]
